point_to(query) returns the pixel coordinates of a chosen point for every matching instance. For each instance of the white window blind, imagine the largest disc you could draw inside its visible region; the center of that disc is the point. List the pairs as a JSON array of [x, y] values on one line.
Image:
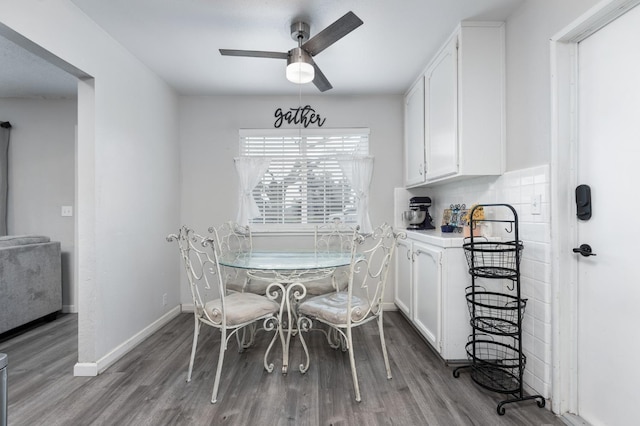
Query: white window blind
[[305, 182]]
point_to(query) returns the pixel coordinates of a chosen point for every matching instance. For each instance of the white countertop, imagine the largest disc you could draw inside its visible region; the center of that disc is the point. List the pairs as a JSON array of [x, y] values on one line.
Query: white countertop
[[436, 237]]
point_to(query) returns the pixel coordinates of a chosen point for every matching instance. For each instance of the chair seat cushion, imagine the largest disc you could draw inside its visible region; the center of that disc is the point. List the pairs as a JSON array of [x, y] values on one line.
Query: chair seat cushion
[[332, 308], [241, 308]]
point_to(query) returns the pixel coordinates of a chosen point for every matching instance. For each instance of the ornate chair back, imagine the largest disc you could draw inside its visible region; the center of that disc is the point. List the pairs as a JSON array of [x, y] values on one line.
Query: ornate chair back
[[200, 261], [233, 238], [329, 237], [334, 236], [371, 257]]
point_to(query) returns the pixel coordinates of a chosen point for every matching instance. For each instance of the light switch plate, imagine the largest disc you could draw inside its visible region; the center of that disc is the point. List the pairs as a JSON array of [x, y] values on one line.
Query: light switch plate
[[67, 211], [536, 204]]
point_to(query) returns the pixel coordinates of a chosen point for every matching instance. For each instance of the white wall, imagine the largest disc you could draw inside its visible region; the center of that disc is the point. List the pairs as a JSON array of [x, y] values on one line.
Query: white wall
[[41, 175], [128, 180], [209, 141], [528, 31]]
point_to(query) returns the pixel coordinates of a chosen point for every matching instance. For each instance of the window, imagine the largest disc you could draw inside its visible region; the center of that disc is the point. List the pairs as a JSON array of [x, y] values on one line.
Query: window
[[302, 178]]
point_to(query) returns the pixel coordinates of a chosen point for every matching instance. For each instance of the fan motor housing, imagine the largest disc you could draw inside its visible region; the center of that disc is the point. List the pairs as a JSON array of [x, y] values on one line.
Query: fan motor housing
[[300, 31]]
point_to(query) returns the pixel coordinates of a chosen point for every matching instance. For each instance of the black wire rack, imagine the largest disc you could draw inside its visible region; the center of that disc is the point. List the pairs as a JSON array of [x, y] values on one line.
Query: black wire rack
[[494, 350], [495, 313]]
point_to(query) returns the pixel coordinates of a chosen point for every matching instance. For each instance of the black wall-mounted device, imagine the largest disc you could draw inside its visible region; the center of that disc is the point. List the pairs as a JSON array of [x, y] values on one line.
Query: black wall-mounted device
[[583, 202]]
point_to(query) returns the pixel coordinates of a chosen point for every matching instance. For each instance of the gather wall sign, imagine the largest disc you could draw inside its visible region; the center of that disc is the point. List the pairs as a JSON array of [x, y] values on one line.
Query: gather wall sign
[[301, 115]]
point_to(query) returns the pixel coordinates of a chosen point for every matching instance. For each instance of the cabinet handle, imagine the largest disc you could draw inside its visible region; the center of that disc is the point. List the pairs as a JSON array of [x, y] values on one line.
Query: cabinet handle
[[420, 168]]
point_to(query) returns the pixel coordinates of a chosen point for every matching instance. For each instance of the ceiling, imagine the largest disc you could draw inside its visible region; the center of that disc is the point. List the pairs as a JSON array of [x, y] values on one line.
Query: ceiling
[[179, 40], [23, 74]]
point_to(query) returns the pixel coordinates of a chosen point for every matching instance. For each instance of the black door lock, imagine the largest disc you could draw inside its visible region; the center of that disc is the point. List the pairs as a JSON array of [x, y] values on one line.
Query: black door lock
[[585, 250], [583, 202]]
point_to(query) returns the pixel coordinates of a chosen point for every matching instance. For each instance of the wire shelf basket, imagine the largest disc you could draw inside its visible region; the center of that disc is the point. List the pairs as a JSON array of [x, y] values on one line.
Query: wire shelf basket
[[496, 366], [493, 259], [495, 313]]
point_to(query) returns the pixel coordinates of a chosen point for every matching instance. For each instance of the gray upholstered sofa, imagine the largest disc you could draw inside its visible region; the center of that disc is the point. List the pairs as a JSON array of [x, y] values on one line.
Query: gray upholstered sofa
[[30, 279]]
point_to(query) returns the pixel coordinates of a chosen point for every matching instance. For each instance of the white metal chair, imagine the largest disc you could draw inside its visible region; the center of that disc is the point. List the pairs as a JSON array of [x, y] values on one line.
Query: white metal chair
[[371, 257], [228, 312], [232, 238], [333, 236]]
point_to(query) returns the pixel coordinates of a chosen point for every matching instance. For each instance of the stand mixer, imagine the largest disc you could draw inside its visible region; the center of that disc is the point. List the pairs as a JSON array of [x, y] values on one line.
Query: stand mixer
[[418, 214]]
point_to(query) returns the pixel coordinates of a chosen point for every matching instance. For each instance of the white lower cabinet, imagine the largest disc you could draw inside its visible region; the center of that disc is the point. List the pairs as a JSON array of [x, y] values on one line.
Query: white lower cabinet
[[404, 288], [430, 291], [427, 283]]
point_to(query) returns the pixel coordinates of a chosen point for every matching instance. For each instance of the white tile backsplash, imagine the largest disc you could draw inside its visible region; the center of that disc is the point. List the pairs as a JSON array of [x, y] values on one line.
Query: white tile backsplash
[[516, 188]]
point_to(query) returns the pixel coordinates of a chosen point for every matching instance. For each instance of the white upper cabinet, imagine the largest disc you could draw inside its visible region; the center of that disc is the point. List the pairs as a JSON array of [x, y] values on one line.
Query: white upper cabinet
[[464, 97], [414, 134], [441, 116]]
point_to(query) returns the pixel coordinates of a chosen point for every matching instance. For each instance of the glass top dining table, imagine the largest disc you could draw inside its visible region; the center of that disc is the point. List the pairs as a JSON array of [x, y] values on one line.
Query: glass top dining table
[[285, 260], [290, 268]]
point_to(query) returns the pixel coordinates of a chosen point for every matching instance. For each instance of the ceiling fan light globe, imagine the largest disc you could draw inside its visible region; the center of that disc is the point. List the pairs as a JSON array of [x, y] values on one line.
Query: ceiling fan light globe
[[300, 72]]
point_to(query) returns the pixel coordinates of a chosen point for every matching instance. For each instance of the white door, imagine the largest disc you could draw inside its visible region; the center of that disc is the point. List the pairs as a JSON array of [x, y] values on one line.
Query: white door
[[608, 283], [427, 283]]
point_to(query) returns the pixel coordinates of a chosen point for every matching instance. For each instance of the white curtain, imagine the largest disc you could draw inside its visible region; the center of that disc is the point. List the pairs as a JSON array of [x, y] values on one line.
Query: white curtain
[[250, 170], [359, 171]]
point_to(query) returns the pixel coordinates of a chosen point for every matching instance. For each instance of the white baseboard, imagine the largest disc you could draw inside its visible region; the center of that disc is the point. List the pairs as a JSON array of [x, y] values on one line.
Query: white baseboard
[[187, 307], [85, 369], [389, 306], [573, 420], [69, 309], [95, 368]]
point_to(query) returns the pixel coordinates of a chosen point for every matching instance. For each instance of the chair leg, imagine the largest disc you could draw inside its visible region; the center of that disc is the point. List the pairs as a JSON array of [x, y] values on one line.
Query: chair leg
[[352, 360], [240, 340], [194, 345], [223, 348], [384, 346], [246, 337]]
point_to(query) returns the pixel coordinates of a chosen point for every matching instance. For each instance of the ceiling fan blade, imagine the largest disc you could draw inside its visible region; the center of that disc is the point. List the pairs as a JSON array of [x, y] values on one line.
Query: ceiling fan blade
[[332, 33], [254, 53], [320, 80]]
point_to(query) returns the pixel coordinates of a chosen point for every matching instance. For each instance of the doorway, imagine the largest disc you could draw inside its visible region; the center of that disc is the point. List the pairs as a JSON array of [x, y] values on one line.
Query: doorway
[[48, 64], [594, 68]]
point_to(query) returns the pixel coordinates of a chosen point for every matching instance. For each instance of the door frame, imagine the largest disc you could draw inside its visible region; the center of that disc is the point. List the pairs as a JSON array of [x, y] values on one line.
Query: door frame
[[564, 143]]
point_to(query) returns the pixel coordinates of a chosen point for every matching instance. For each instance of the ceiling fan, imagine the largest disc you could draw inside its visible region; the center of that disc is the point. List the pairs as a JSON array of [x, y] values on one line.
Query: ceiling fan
[[300, 66]]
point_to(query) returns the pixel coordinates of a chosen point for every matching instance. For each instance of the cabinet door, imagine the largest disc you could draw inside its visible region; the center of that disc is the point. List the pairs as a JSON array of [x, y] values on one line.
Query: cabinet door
[[404, 289], [427, 284], [414, 135], [441, 113]]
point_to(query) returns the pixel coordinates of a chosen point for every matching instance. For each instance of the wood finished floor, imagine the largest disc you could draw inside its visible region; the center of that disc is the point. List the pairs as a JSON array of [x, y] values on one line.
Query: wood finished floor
[[148, 387]]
